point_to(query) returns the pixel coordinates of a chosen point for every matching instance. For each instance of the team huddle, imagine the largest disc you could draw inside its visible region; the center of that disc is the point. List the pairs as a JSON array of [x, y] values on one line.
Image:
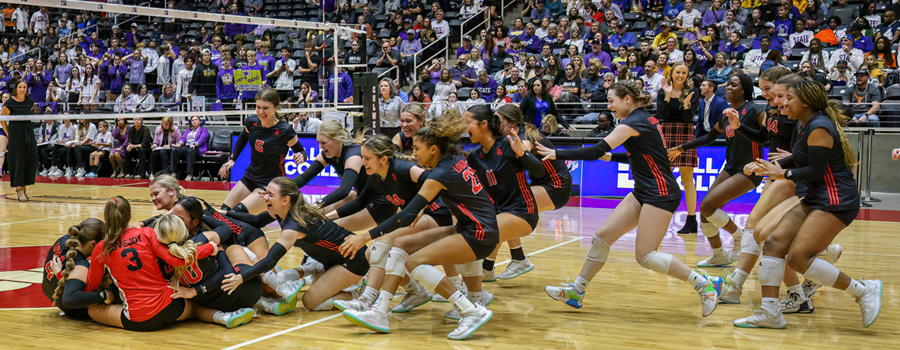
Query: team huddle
[[424, 203]]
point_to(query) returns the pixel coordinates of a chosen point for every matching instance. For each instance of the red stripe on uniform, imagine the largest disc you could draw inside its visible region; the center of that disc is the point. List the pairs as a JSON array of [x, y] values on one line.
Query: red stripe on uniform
[[479, 230], [281, 165], [755, 150], [554, 176], [328, 245], [660, 181], [526, 192], [833, 197]]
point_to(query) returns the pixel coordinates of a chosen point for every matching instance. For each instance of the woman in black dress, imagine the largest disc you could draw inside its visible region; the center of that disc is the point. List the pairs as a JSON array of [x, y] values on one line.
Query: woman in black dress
[[22, 144]]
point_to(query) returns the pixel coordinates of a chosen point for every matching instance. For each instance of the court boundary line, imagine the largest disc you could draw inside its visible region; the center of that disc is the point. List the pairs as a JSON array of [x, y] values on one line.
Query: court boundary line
[[328, 318], [90, 187]]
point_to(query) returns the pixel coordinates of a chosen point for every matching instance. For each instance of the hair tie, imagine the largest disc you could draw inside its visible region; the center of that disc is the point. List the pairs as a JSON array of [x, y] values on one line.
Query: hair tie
[[115, 199]]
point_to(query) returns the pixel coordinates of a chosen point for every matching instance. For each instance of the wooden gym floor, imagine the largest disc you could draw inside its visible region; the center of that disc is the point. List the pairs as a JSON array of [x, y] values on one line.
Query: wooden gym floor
[[626, 306]]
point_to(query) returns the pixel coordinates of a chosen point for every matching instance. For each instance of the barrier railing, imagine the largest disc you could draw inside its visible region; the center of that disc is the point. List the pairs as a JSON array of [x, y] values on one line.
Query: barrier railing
[[416, 64], [484, 23]]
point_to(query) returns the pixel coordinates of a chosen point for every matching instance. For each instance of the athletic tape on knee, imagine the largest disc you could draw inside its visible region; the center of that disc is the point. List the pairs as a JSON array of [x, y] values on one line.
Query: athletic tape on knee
[[822, 272], [470, 269], [378, 256], [428, 276], [599, 250], [708, 229], [771, 271], [719, 218], [657, 261], [396, 262], [749, 245]]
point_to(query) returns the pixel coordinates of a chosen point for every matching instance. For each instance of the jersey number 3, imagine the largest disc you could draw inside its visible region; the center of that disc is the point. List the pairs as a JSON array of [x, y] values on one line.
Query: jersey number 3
[[135, 261], [469, 175], [258, 146]]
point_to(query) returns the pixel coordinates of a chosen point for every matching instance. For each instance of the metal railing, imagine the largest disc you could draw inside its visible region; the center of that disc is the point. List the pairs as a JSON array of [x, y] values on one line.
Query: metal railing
[[417, 64], [484, 23], [395, 68]]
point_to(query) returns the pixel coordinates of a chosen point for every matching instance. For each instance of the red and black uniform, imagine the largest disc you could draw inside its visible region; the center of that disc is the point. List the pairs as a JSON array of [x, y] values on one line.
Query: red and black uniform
[[830, 182], [739, 150], [242, 233], [268, 148], [147, 300], [654, 183], [476, 218], [503, 175], [778, 132], [398, 189], [557, 181], [406, 143], [50, 280], [350, 179]]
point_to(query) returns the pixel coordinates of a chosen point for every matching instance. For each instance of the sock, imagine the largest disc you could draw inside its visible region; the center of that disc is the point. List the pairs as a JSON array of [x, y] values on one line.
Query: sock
[[739, 276], [474, 297], [580, 284], [456, 280], [770, 305], [718, 251], [697, 280], [369, 294], [690, 218], [224, 207], [856, 288], [461, 303], [412, 286], [517, 253], [488, 264], [289, 275], [241, 208], [796, 289], [308, 269], [219, 317], [384, 301]]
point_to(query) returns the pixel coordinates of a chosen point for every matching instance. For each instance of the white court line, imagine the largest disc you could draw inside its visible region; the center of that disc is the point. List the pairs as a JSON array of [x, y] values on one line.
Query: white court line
[[122, 185], [254, 341], [51, 218]]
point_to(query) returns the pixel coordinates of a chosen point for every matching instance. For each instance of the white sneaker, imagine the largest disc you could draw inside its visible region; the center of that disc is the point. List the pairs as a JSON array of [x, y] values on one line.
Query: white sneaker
[[354, 304], [870, 301], [709, 295], [795, 303], [69, 172], [566, 294], [437, 298], [234, 318], [762, 319], [412, 300], [43, 172], [471, 321], [731, 292], [54, 171], [810, 288], [486, 299], [832, 253], [516, 268], [80, 172], [724, 259], [289, 290], [274, 306], [488, 276], [372, 318]]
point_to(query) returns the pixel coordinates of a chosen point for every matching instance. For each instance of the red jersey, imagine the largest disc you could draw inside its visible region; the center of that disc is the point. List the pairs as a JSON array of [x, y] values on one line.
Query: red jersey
[[133, 266]]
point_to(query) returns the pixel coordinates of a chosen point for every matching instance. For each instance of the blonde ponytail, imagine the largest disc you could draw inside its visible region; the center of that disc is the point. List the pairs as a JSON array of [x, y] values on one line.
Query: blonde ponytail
[[171, 231]]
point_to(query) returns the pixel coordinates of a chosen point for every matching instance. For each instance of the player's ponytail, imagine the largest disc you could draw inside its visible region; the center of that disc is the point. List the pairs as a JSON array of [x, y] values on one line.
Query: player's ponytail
[[443, 132], [483, 113], [171, 231], [511, 114], [116, 215], [79, 235], [300, 208], [814, 95], [382, 147]]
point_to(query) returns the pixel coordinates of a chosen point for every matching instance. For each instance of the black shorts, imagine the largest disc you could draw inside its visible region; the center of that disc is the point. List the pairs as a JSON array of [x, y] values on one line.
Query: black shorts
[[164, 318], [846, 216], [246, 295], [249, 234], [755, 179], [380, 209], [559, 196], [669, 205], [359, 265], [442, 216], [253, 183], [481, 247]]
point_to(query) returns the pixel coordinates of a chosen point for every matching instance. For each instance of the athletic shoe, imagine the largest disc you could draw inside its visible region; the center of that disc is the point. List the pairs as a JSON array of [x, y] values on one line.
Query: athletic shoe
[[69, 172], [44, 172], [832, 253], [731, 292], [794, 303], [690, 226], [471, 321], [724, 259], [274, 306], [54, 171], [762, 319], [412, 300], [709, 294], [486, 299], [870, 301], [516, 268], [488, 276], [236, 318], [79, 173], [355, 304], [90, 175], [372, 318], [289, 290], [566, 294], [437, 298], [810, 288]]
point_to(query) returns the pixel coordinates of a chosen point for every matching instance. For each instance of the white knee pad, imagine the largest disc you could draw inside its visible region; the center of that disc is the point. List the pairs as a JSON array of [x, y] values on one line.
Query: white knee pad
[[708, 229], [471, 269], [749, 244], [599, 250], [771, 271], [719, 218], [657, 261], [378, 255], [396, 262], [428, 276], [822, 272], [249, 253]]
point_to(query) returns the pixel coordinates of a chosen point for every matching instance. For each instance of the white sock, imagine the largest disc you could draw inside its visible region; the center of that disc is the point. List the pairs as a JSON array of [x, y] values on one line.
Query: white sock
[[718, 251], [856, 288], [580, 284], [384, 301], [739, 277], [696, 280], [474, 297], [797, 289], [369, 294], [289, 275], [770, 305], [461, 303], [456, 280]]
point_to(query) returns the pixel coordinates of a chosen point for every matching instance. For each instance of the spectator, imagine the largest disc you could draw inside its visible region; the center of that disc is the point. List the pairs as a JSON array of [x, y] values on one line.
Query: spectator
[[284, 69], [344, 85], [439, 107], [840, 74], [232, 29], [538, 103], [604, 125], [62, 70], [23, 154], [756, 57], [714, 14], [20, 20], [144, 101], [225, 91], [124, 103], [444, 86], [663, 36], [888, 27], [137, 149], [646, 53], [730, 24], [591, 84], [166, 101], [672, 51], [193, 144], [418, 96], [672, 9], [440, 26], [847, 52], [308, 65], [388, 57], [711, 107], [74, 152], [883, 53], [390, 106], [829, 36], [652, 79], [165, 139], [132, 38], [462, 74], [687, 16], [843, 11], [486, 86], [860, 41], [90, 89], [809, 73], [183, 80], [865, 101], [498, 60], [556, 8], [721, 71], [511, 82], [116, 73], [801, 36], [622, 38], [601, 55], [40, 20], [135, 65]]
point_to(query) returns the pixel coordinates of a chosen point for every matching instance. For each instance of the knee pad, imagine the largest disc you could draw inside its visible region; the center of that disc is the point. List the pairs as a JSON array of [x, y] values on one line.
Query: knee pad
[[771, 271], [599, 250], [470, 269], [428, 276], [657, 261], [719, 218], [822, 272], [749, 244], [378, 255], [708, 229], [396, 262]]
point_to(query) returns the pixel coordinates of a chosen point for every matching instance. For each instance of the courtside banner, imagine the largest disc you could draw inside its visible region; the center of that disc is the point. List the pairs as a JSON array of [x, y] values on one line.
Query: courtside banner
[[327, 177]]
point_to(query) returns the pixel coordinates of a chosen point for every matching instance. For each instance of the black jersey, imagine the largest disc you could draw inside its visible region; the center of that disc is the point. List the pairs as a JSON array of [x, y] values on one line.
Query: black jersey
[[740, 150], [512, 195], [653, 179], [406, 143], [241, 233], [780, 130], [398, 188], [338, 162], [837, 190], [467, 199], [558, 176], [322, 239], [269, 146], [50, 280]]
